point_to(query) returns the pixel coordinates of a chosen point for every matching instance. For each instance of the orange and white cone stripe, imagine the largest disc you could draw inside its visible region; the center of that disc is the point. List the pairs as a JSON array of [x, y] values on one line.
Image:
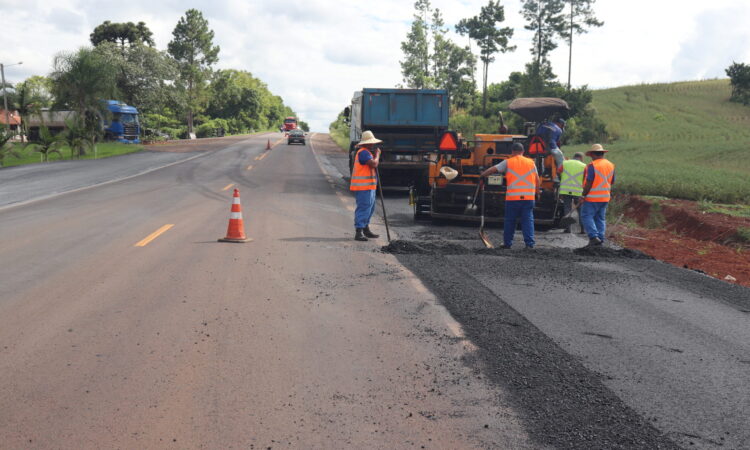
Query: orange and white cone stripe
[[236, 228]]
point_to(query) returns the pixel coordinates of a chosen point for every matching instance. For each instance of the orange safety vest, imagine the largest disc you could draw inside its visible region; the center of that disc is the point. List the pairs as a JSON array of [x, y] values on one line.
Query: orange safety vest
[[602, 186], [522, 178], [363, 176]]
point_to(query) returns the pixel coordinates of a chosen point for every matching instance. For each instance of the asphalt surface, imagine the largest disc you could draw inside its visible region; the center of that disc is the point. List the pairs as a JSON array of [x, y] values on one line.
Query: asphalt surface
[[302, 338], [599, 349]]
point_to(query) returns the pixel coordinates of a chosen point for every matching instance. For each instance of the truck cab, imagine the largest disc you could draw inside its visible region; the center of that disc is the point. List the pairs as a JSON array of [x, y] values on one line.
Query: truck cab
[[124, 125]]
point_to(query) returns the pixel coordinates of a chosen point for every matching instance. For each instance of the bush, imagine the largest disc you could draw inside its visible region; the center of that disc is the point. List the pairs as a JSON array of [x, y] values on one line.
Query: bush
[[212, 128], [739, 76]]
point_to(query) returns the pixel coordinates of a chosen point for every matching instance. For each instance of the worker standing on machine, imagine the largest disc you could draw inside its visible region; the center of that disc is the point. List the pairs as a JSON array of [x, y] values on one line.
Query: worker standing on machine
[[600, 176], [364, 183], [522, 182], [552, 133], [571, 185]]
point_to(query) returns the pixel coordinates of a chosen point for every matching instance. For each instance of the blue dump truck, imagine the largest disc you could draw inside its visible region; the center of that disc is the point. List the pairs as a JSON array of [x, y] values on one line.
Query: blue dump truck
[[408, 121], [123, 125]]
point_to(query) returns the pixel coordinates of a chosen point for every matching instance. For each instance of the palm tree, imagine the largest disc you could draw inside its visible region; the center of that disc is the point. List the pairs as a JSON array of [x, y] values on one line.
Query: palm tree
[[7, 147], [48, 143], [81, 80], [76, 137]]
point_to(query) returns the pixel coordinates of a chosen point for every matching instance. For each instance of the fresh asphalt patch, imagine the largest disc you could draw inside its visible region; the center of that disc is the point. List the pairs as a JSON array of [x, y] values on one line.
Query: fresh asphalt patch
[[565, 405], [440, 247]]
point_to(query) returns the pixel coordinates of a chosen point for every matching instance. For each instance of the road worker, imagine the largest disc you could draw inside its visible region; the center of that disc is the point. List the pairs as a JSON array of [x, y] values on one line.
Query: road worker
[[522, 182], [571, 185], [364, 183], [552, 133], [600, 176]]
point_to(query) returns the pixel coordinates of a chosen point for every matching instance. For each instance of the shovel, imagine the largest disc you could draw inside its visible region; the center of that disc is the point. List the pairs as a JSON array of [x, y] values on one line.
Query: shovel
[[382, 203], [568, 219], [471, 208], [482, 234]]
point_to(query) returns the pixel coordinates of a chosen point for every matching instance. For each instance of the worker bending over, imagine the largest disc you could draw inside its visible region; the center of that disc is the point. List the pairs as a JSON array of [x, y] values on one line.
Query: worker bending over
[[364, 183], [571, 186], [600, 176], [522, 182]]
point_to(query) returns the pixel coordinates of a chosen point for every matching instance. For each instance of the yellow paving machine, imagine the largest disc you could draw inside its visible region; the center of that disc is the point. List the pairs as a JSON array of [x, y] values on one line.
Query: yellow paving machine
[[453, 190]]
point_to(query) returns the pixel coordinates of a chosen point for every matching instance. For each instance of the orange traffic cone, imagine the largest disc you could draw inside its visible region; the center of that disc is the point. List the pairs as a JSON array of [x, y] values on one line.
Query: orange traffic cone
[[268, 146], [236, 229]]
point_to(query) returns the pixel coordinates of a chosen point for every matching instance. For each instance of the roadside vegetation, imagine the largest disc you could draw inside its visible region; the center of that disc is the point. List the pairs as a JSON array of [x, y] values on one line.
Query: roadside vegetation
[[32, 154], [682, 140], [177, 91]]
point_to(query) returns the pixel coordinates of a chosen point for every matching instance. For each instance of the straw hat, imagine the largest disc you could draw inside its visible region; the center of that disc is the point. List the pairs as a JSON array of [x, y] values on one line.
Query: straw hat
[[596, 148], [448, 172], [368, 138]]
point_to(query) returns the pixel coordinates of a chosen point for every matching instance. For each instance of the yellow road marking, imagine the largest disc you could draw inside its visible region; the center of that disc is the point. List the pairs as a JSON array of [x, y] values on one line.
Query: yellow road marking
[[250, 167], [226, 188], [154, 235], [260, 158]]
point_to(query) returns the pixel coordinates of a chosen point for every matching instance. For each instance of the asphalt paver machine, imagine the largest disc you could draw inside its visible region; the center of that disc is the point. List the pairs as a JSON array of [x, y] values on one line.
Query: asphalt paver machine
[[454, 170]]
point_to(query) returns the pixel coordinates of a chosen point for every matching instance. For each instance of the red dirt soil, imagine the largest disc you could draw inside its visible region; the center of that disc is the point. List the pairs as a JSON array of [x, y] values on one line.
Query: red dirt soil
[[688, 238]]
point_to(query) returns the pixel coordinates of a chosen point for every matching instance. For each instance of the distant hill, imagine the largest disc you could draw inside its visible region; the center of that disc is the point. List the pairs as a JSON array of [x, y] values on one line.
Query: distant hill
[[683, 140]]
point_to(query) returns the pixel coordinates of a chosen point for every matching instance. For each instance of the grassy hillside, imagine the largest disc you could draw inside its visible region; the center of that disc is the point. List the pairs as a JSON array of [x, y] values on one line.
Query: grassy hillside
[[683, 140]]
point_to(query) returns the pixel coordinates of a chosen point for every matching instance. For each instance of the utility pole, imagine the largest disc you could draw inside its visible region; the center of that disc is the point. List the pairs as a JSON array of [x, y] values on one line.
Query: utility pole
[[5, 92]]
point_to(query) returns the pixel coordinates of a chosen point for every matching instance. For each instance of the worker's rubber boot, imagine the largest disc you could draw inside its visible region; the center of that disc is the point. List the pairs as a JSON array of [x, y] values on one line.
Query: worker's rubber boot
[[594, 242], [359, 236], [368, 233]]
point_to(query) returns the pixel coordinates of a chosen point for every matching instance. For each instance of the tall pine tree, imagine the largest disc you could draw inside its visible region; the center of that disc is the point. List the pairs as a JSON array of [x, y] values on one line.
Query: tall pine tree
[[579, 17], [490, 39], [192, 47]]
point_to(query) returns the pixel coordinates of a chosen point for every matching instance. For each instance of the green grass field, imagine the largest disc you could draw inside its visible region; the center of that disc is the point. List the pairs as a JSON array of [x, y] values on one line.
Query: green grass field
[[103, 150], [682, 140]]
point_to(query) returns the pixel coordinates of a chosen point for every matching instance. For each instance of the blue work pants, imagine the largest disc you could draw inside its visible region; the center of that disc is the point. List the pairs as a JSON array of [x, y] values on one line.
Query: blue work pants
[[365, 208], [593, 219], [513, 210]]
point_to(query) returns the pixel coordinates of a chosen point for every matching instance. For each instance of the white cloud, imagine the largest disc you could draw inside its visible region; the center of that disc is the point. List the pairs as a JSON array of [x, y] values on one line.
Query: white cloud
[[315, 53]]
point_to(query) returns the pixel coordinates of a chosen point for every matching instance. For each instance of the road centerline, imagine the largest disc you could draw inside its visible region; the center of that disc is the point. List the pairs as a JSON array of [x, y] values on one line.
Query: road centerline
[[145, 241], [227, 187]]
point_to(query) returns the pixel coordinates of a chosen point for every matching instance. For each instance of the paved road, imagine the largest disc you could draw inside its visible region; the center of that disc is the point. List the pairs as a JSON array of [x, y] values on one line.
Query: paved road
[[299, 339], [305, 338], [669, 344]]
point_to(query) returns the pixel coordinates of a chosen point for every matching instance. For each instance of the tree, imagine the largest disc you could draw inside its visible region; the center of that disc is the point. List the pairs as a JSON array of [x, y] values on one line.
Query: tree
[[77, 137], [122, 32], [303, 125], [415, 67], [144, 74], [48, 143], [81, 80], [6, 147], [490, 39], [452, 66], [739, 78], [545, 19], [431, 60], [192, 47], [29, 97], [580, 17]]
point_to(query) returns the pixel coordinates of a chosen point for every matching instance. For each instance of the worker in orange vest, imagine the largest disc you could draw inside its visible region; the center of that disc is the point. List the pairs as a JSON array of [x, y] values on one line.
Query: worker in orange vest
[[522, 181], [364, 183], [599, 178]]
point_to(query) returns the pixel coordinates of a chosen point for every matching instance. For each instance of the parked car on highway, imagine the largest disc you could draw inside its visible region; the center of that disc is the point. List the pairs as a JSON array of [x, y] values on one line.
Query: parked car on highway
[[296, 136]]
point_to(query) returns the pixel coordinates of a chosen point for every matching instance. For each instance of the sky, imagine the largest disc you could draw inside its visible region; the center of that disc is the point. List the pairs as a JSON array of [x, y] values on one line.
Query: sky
[[316, 53]]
